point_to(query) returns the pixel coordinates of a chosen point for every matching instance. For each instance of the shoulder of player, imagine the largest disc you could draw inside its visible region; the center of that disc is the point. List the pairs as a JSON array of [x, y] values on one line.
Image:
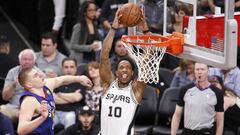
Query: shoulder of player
[[30, 100], [138, 85]]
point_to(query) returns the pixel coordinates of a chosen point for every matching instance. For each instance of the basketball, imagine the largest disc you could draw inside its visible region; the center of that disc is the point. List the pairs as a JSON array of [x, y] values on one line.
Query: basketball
[[131, 14]]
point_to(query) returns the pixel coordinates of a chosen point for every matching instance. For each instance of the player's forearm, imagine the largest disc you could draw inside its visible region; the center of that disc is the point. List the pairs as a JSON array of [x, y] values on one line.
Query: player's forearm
[[105, 65], [107, 44], [106, 24], [26, 127], [67, 79]]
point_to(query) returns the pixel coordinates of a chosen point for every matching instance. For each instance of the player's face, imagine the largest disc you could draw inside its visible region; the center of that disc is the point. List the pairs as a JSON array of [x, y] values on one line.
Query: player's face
[[201, 72], [120, 50], [91, 11], [26, 61], [35, 79], [86, 120], [69, 68], [93, 72], [124, 72], [48, 47]]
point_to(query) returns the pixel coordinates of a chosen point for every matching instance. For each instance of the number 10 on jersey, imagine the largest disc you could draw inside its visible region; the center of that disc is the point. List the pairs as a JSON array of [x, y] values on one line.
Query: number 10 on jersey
[[115, 111]]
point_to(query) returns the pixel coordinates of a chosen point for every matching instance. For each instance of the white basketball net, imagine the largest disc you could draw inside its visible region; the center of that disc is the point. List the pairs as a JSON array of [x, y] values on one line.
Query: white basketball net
[[148, 66]]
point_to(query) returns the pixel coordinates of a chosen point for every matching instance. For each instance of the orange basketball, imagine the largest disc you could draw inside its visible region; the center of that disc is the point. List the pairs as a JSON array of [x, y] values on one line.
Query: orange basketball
[[131, 14]]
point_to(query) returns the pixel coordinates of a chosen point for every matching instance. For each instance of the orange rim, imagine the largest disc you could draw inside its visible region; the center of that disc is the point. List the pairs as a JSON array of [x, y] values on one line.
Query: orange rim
[[161, 41], [174, 42]]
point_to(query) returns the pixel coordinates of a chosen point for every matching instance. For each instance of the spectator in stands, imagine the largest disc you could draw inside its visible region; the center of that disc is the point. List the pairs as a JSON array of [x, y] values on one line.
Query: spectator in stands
[[12, 90], [216, 3], [119, 51], [154, 15], [109, 9], [68, 97], [232, 79], [49, 60], [6, 125], [6, 62], [220, 3], [51, 18], [184, 75], [85, 37], [84, 125], [231, 106], [213, 71], [237, 5], [181, 9], [199, 99], [203, 8], [94, 94]]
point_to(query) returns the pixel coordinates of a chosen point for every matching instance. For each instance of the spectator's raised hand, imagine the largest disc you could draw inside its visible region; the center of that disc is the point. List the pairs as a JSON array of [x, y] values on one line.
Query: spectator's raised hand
[[51, 74]]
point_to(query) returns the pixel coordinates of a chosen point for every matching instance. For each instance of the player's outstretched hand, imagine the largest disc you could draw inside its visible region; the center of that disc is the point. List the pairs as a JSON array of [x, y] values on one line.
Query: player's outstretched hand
[[44, 109], [85, 81], [116, 22]]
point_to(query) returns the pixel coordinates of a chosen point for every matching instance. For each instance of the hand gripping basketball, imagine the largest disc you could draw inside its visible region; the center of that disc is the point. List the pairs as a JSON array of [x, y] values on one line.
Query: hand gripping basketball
[[131, 14]]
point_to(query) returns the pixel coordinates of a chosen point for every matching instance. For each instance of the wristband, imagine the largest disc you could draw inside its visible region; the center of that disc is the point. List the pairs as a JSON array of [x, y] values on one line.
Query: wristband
[[113, 28], [146, 31]]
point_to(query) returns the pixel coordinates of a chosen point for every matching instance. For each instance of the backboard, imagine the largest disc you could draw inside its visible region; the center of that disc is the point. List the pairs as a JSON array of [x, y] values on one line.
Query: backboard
[[210, 35]]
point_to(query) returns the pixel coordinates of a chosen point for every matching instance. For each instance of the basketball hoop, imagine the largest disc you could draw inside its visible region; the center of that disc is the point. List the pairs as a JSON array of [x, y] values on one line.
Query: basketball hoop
[[148, 50]]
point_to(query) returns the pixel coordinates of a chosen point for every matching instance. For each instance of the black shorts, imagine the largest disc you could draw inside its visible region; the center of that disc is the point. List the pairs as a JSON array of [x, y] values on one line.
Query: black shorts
[[204, 131]]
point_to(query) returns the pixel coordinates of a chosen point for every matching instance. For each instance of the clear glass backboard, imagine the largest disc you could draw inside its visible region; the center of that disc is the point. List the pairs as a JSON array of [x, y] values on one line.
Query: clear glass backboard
[[210, 33]]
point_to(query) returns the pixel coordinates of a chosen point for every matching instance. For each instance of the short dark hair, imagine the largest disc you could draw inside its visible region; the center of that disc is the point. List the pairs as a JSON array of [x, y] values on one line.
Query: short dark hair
[[22, 76], [69, 59], [49, 35], [4, 40], [127, 59]]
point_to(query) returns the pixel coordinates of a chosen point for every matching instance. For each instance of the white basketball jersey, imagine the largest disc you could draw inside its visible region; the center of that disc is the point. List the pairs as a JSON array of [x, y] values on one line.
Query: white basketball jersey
[[118, 107]]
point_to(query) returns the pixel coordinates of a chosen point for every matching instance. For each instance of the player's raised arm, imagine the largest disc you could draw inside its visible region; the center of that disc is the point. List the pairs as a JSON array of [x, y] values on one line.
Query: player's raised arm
[[105, 65], [53, 83]]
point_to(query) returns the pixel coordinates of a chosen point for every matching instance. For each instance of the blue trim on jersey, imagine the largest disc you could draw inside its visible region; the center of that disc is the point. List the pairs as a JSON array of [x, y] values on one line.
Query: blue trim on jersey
[[46, 128]]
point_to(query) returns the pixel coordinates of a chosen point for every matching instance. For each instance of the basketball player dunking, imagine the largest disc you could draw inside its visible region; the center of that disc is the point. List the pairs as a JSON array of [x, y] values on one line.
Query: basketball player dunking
[[122, 94]]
